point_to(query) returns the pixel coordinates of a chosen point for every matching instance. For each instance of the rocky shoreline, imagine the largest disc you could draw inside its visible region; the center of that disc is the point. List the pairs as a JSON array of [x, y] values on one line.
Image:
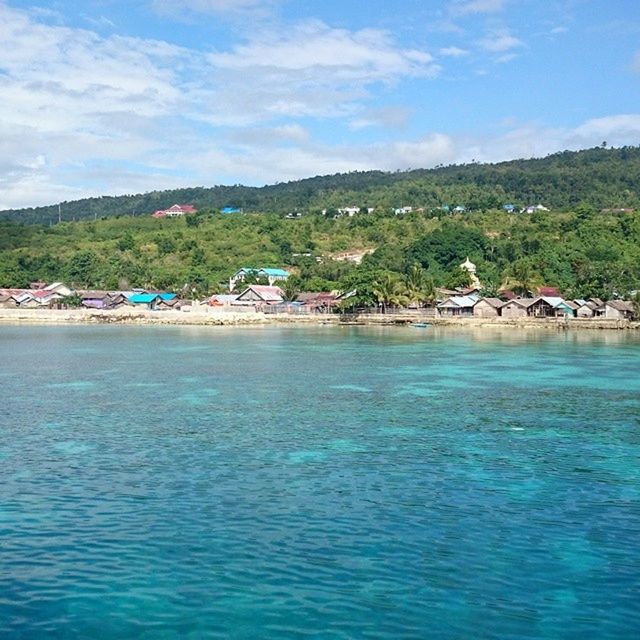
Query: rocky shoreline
[[226, 318]]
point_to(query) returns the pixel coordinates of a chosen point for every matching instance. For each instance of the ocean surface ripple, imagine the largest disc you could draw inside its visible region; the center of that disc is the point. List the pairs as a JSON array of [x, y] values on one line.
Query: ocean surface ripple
[[162, 482]]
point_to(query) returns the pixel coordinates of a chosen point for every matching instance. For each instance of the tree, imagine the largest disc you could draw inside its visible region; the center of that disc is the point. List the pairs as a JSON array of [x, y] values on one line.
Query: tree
[[522, 278], [290, 288], [81, 268], [419, 287], [458, 278], [389, 292]]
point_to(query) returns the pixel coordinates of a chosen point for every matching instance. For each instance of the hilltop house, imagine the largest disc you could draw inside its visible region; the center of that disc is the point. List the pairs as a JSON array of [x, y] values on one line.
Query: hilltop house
[[272, 275], [533, 208], [175, 211], [352, 256]]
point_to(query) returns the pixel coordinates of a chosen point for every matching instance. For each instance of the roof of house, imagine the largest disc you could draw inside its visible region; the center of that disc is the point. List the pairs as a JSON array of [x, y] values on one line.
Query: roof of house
[[313, 296], [496, 303], [264, 292], [458, 302], [54, 285], [521, 302], [143, 298], [274, 272], [176, 208], [93, 295], [554, 301], [41, 294], [620, 305], [220, 299]]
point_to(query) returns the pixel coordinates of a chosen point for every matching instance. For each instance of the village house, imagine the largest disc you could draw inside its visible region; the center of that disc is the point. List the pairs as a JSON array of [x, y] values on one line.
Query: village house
[[272, 275], [488, 308], [39, 299], [584, 308], [150, 300], [618, 310], [169, 304], [515, 308], [102, 299], [8, 302], [317, 302], [95, 299], [221, 300], [260, 294], [457, 306], [59, 287]]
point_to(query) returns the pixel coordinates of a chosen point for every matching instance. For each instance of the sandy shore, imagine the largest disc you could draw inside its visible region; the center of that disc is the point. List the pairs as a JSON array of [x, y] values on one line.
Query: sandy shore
[[216, 317]]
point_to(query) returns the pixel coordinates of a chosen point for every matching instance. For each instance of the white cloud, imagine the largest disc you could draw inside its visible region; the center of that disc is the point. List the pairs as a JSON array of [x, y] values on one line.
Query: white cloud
[[453, 52], [386, 117], [620, 128], [74, 100], [499, 41], [84, 114], [471, 7], [311, 70], [213, 6], [316, 48]]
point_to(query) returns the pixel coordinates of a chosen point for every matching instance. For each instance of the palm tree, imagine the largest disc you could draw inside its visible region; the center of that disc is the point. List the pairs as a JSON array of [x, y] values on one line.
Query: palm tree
[[419, 287], [388, 292], [523, 279], [290, 288]]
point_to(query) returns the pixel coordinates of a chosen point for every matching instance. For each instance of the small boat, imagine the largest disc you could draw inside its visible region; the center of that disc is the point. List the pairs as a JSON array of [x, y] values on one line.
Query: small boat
[[420, 325]]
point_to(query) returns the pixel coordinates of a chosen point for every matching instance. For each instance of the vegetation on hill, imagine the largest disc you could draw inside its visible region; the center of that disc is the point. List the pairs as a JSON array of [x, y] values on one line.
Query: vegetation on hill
[[599, 177], [583, 251]]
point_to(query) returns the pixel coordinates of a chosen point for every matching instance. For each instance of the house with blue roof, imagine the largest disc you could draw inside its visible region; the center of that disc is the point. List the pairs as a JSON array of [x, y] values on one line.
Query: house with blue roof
[[272, 275], [150, 300]]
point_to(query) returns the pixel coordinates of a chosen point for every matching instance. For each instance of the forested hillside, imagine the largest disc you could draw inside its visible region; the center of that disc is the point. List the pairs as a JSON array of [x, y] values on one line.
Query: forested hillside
[[583, 251], [600, 177]]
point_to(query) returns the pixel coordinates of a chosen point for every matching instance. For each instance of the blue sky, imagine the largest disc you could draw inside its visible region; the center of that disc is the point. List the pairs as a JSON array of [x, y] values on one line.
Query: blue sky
[[105, 97]]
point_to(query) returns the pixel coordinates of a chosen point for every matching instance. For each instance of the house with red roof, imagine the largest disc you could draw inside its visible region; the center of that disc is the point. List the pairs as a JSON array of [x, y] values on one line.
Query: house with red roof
[[175, 211]]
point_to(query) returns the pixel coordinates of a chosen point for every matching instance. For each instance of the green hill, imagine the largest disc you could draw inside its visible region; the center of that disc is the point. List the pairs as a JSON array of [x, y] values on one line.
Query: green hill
[[600, 177]]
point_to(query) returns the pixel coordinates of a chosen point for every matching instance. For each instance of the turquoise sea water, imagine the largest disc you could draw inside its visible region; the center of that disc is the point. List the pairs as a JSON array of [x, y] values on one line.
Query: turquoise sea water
[[318, 483]]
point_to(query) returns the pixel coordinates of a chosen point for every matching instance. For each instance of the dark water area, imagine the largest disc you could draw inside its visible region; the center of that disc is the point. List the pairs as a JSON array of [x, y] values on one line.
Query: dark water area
[[183, 482]]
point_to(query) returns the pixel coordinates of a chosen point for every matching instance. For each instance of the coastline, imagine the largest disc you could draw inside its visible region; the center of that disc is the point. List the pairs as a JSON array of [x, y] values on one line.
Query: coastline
[[230, 318]]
